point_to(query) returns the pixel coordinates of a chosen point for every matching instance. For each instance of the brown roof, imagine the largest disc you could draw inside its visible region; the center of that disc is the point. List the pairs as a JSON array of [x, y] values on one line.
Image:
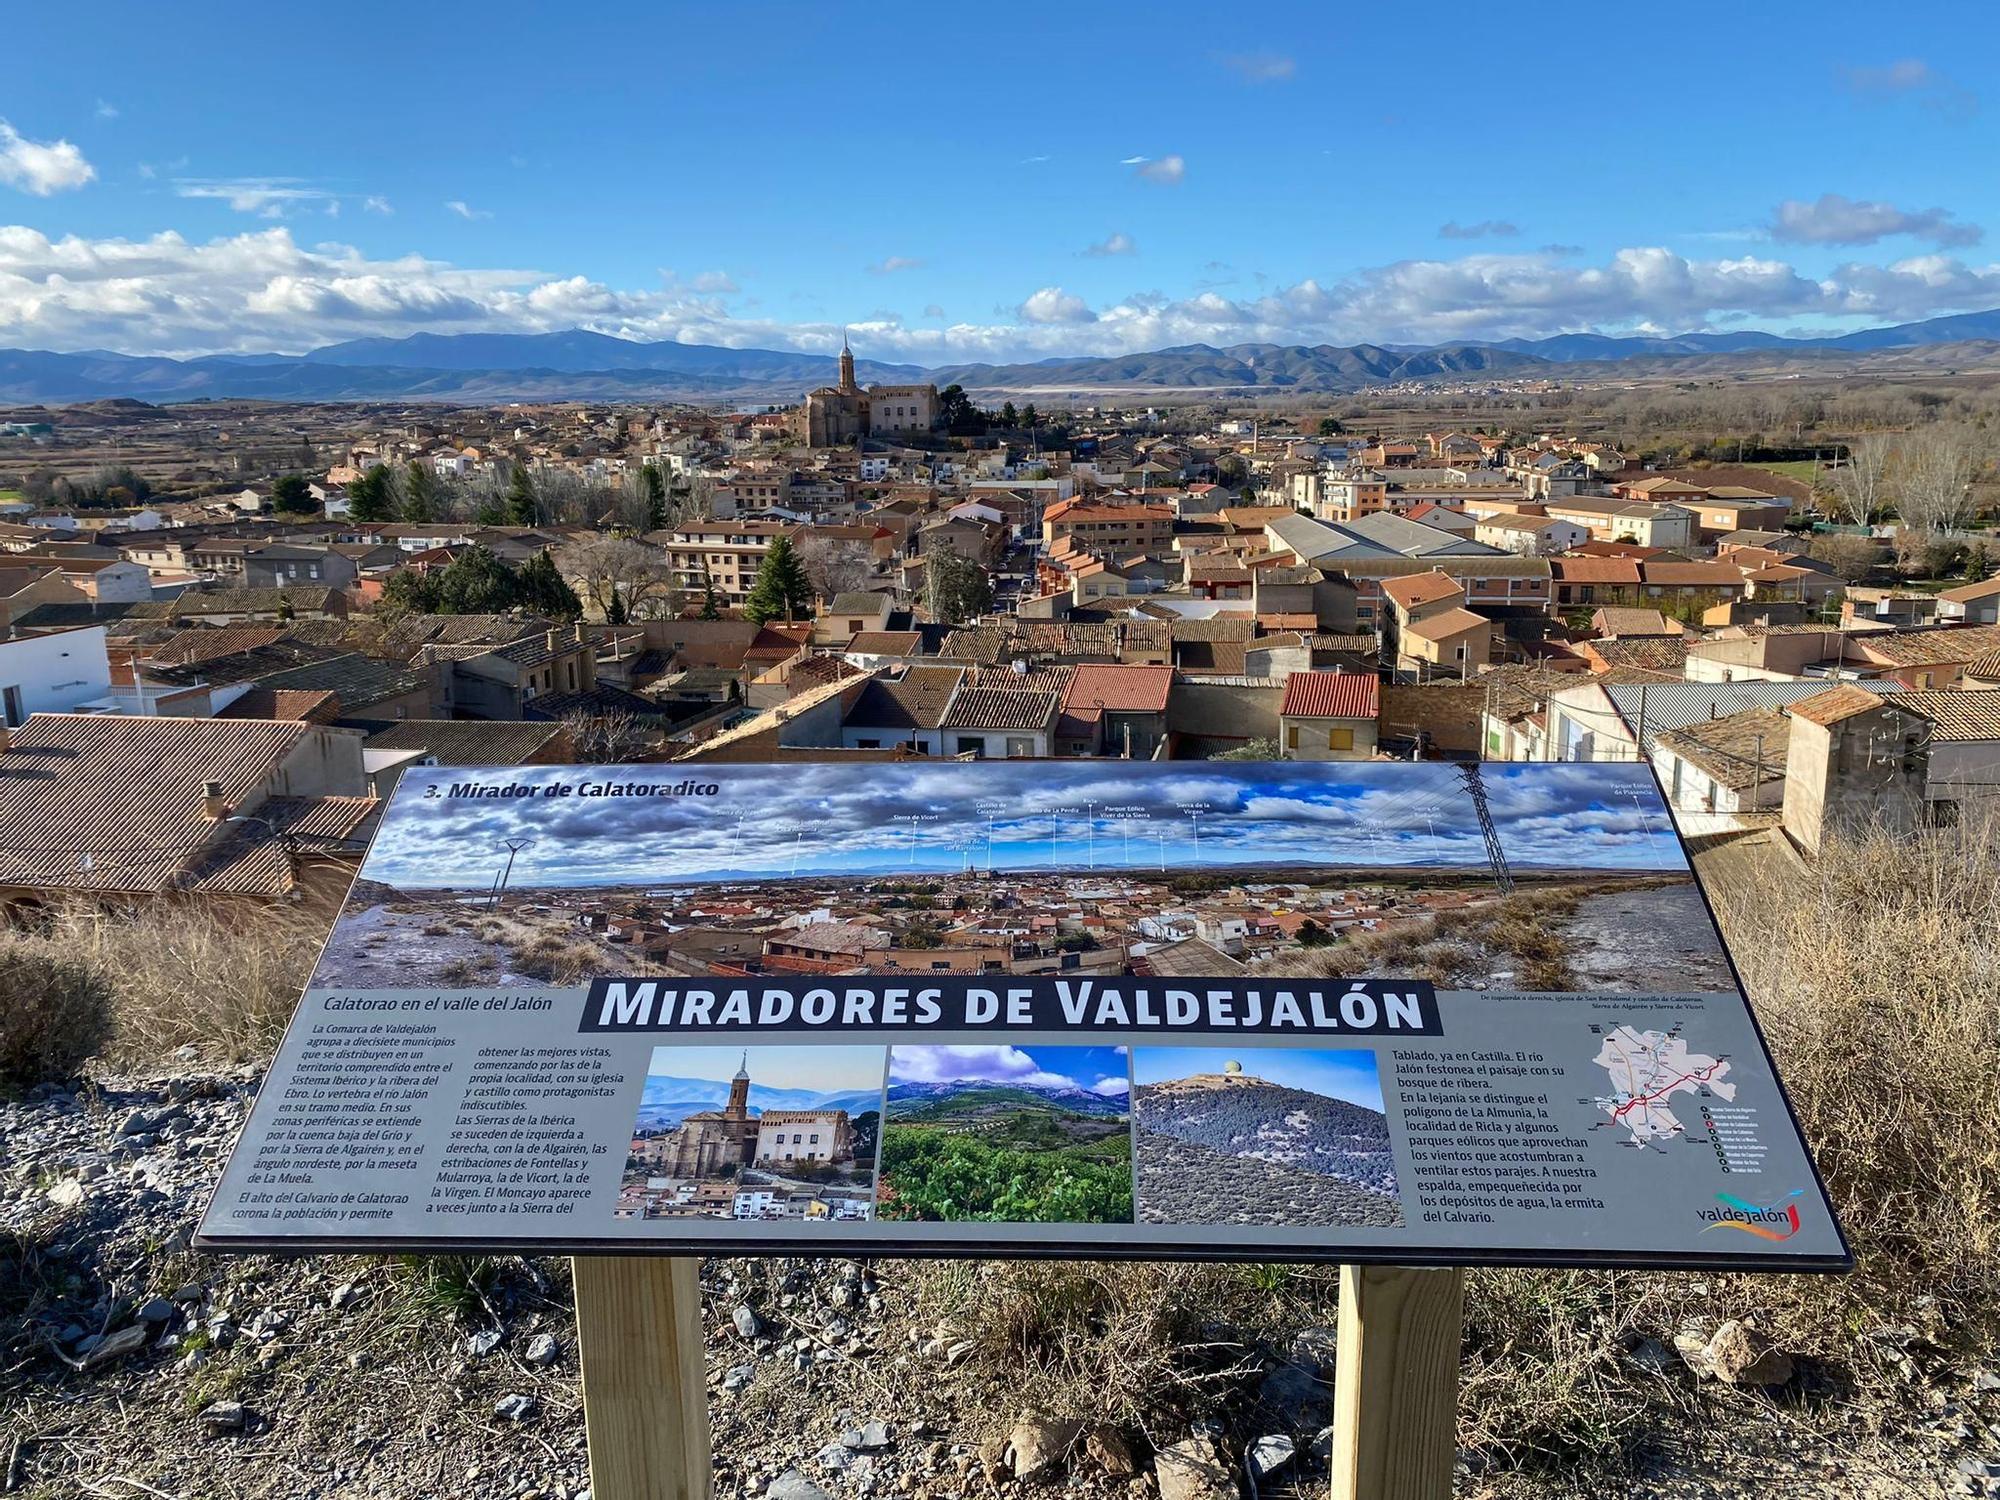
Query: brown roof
[[1905, 648], [1418, 589], [114, 803], [1613, 621], [1331, 695], [251, 859], [1954, 715], [317, 706], [916, 700], [1736, 751], [1594, 569], [1656, 653], [1001, 708], [1119, 689], [1966, 593], [1448, 623], [886, 642], [199, 645], [1835, 704]]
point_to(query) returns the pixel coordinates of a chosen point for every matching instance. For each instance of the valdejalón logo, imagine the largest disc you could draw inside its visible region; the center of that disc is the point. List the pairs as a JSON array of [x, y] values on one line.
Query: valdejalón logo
[[1769, 1221]]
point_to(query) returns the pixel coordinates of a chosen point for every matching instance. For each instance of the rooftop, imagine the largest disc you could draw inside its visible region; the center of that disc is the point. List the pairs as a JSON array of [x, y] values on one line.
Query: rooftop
[[1331, 695]]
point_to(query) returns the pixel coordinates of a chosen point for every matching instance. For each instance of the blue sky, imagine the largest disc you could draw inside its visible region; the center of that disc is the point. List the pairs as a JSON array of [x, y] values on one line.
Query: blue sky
[[1348, 1073], [1102, 1070], [961, 184], [825, 1070], [914, 818]]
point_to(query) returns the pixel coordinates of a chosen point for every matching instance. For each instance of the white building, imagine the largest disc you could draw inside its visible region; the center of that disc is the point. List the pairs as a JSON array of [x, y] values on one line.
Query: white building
[[55, 673]]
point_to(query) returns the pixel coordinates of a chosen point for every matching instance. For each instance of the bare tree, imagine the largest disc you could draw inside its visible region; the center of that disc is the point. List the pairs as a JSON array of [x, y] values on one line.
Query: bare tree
[[622, 579], [612, 738], [837, 567], [1935, 490], [1861, 485], [1852, 558]]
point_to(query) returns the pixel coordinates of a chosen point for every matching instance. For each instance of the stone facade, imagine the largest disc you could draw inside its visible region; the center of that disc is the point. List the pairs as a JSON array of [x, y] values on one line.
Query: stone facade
[[842, 414]]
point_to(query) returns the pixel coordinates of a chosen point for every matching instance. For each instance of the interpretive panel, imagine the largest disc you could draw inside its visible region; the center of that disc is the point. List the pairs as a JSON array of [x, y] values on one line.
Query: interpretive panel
[[1416, 1013]]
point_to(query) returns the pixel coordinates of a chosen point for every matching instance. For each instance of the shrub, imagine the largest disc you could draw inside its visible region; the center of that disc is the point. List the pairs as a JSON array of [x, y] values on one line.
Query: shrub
[[55, 1014]]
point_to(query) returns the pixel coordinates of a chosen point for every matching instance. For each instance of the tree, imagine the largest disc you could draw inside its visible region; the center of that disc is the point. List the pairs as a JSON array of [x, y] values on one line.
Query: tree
[[291, 496], [836, 567], [653, 496], [955, 587], [1330, 427], [621, 578], [1852, 558], [781, 588], [540, 587], [1935, 493], [476, 583], [522, 508], [612, 738], [420, 493], [1008, 416], [1028, 418], [369, 498], [1255, 749], [1861, 485], [409, 590], [711, 606]]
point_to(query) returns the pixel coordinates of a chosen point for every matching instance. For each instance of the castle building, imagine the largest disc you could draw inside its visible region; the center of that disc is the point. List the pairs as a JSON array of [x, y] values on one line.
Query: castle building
[[715, 1143], [837, 415]]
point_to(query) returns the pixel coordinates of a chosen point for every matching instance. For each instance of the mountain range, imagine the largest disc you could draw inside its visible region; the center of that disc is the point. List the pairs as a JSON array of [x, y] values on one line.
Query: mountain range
[[472, 368], [914, 1101], [667, 1100]]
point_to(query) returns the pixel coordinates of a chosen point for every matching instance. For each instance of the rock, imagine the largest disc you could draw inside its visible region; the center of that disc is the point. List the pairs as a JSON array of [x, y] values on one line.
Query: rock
[[834, 1458], [125, 1341], [958, 1353], [343, 1296], [1740, 1355], [746, 1322], [542, 1350], [517, 1407], [869, 1437], [1269, 1454], [156, 1310], [1037, 1445], [223, 1417], [738, 1378], [1195, 1468], [1106, 1447], [793, 1485], [67, 1193], [1651, 1356], [483, 1343]]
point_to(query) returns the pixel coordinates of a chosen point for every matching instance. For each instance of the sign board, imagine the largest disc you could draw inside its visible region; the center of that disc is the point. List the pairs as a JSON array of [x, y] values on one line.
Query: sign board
[[1390, 1012]]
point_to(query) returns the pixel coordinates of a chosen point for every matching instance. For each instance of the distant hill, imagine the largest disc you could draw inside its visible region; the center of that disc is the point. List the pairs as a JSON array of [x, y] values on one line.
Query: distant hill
[[666, 1100], [1242, 1115], [916, 1103], [475, 368]]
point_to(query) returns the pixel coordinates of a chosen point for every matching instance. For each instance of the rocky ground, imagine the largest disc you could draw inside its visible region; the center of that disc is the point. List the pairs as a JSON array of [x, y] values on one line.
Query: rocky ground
[[1181, 1182], [1626, 942], [133, 1367]]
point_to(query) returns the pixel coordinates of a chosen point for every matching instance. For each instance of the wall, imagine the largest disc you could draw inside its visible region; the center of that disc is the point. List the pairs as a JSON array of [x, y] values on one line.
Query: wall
[[325, 763], [1448, 716], [56, 672], [1224, 710]]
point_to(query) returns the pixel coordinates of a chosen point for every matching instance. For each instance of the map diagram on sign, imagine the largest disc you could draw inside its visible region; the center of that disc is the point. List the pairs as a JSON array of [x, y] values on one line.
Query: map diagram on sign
[[1647, 1070]]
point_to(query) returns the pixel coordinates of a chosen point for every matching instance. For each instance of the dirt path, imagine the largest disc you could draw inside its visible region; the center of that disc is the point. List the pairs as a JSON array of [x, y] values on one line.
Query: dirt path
[[1636, 941]]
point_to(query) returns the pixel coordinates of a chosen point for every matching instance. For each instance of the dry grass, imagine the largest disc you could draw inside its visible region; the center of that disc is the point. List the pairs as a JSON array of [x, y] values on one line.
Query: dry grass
[[55, 1015], [225, 978], [1456, 948]]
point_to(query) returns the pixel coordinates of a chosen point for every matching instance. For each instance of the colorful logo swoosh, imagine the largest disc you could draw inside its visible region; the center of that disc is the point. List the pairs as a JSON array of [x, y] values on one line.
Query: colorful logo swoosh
[[1783, 1207]]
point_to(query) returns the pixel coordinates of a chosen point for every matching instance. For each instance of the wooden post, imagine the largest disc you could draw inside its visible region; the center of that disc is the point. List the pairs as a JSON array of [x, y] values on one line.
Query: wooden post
[[645, 1387], [1395, 1388]]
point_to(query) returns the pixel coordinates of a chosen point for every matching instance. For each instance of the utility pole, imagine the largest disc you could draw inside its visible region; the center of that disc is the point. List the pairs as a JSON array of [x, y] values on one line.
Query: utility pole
[[513, 847], [1475, 786]]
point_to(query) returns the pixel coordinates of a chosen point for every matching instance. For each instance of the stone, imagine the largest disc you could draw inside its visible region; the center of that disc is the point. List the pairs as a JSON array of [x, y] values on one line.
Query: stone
[[517, 1407], [870, 1437], [1651, 1356], [483, 1343], [738, 1378], [221, 1418], [67, 1193], [343, 1296], [542, 1350], [1269, 1454], [1740, 1355], [1195, 1468], [746, 1322], [1037, 1445], [793, 1485], [834, 1458], [125, 1341], [156, 1310], [1106, 1447]]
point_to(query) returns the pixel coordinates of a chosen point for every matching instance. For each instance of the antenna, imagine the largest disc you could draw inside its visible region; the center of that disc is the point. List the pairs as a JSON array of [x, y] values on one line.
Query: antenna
[[1475, 786]]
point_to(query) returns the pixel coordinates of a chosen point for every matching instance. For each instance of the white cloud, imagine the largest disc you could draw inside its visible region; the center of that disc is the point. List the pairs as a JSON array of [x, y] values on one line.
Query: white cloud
[[267, 197], [894, 263], [1168, 171], [1054, 305], [1832, 219], [1115, 1086], [465, 211], [1260, 67], [106, 110], [265, 291], [1914, 79], [41, 167], [995, 1064], [1484, 229], [376, 204], [1113, 244]]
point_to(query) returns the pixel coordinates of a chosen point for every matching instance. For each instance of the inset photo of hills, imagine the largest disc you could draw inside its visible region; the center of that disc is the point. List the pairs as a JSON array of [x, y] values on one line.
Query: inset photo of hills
[[1262, 1135], [1021, 1135]]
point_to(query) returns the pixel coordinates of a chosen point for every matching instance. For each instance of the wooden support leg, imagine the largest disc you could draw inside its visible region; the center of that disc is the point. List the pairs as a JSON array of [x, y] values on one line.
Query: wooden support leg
[[1395, 1389], [645, 1389]]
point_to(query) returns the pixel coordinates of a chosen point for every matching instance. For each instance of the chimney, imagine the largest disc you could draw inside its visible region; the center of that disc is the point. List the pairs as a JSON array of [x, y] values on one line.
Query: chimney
[[213, 808], [554, 636], [579, 632]]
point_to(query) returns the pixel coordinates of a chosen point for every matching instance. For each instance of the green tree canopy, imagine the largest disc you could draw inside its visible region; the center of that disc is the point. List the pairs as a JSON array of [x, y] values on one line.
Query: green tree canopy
[[291, 496], [420, 493], [782, 590], [522, 508], [476, 583], [955, 587], [653, 487], [540, 587], [371, 497]]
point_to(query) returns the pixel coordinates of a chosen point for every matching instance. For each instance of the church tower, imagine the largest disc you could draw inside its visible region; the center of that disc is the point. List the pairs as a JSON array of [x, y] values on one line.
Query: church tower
[[846, 365], [739, 1091]]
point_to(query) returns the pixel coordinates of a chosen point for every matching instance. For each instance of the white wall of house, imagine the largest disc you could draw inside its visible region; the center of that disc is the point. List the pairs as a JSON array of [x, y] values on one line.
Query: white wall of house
[[52, 673]]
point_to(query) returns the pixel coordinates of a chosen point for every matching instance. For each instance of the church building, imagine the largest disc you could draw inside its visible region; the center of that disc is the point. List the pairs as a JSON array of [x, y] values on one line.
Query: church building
[[844, 414], [714, 1143]]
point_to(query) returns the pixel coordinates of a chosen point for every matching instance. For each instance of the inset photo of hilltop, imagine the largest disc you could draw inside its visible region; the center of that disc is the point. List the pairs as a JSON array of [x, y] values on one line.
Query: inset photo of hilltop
[[1262, 1135], [1020, 1135]]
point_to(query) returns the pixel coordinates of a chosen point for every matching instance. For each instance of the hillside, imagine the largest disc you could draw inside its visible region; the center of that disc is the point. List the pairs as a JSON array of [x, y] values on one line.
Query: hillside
[[919, 1103], [1241, 1115], [666, 1100]]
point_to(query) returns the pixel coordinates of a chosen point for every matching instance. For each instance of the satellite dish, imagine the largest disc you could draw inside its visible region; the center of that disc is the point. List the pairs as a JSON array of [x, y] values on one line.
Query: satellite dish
[[1232, 1068]]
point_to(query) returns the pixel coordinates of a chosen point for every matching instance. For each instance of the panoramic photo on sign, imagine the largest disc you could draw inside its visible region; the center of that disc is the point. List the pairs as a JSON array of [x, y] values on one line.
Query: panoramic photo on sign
[[1401, 1012]]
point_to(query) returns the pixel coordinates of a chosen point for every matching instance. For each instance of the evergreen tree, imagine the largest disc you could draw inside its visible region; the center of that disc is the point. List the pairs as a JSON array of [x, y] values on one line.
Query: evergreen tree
[[1028, 418], [521, 507], [1008, 416], [476, 583], [491, 511], [370, 497], [711, 606], [653, 486], [955, 587], [615, 612], [408, 589], [291, 497], [782, 590], [541, 588], [420, 494]]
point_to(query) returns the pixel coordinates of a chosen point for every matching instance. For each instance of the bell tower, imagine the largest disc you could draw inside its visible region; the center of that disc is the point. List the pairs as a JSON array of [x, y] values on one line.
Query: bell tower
[[846, 365], [739, 1091]]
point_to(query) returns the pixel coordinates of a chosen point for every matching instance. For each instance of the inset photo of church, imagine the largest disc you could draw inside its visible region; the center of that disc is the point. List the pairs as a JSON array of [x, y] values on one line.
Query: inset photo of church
[[771, 1133]]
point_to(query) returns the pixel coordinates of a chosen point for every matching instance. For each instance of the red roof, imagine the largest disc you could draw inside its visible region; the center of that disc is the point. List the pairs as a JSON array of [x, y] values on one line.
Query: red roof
[[1120, 689], [1331, 695]]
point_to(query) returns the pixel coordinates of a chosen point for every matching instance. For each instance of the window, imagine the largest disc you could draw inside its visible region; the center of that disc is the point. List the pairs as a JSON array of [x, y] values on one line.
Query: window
[[1291, 736], [1340, 739], [11, 711]]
